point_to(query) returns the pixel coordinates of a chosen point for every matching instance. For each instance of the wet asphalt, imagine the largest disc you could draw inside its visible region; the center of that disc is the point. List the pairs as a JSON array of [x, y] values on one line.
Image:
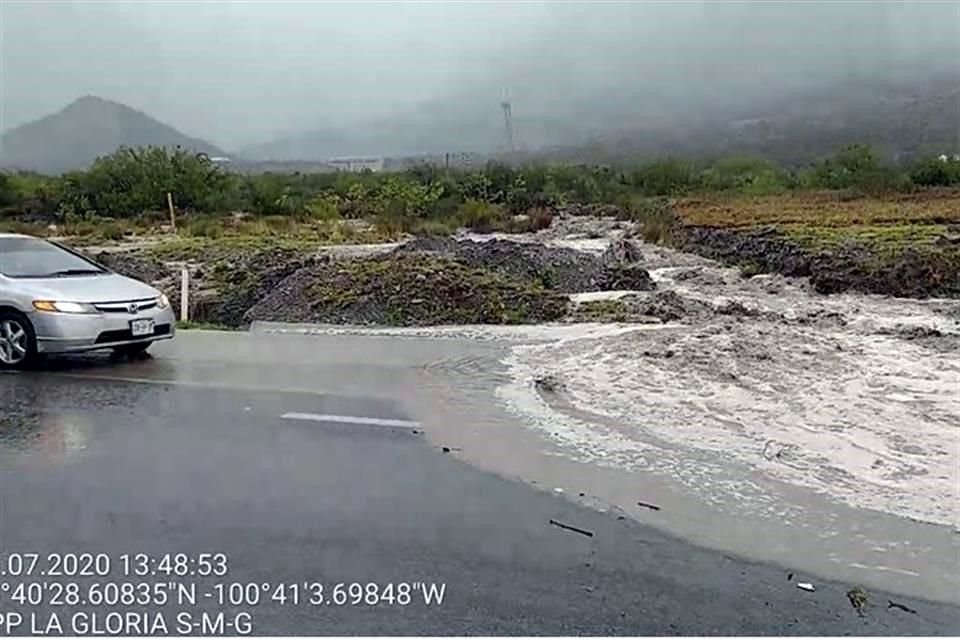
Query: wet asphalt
[[120, 467]]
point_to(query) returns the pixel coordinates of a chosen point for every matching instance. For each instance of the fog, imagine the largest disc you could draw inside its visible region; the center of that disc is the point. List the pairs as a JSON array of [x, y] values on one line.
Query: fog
[[245, 72]]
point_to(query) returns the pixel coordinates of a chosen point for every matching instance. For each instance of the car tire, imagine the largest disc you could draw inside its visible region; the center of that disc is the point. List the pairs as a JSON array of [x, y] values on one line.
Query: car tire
[[18, 341], [132, 350]]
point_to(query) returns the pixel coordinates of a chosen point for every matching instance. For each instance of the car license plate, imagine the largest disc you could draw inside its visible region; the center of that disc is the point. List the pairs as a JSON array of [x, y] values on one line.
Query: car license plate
[[141, 327]]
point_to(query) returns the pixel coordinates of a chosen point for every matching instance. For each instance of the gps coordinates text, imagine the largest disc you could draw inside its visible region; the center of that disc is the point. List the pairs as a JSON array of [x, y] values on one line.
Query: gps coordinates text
[[168, 594]]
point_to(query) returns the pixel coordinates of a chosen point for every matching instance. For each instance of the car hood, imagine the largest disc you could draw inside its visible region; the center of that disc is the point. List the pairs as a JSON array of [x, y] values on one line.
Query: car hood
[[109, 287]]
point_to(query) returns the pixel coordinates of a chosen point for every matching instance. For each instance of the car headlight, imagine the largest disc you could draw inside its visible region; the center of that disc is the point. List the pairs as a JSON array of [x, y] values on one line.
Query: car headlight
[[163, 301], [56, 306]]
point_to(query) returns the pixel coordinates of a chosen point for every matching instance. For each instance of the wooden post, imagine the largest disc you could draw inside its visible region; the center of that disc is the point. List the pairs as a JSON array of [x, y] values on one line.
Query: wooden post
[[184, 294], [173, 216]]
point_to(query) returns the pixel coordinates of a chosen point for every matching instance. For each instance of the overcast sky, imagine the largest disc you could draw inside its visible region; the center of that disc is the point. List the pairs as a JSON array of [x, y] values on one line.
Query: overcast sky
[[240, 72]]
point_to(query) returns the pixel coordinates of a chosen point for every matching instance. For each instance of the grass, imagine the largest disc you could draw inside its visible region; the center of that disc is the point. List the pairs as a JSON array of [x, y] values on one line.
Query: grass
[[898, 244], [889, 236], [190, 325], [394, 287], [26, 228], [210, 247], [821, 209], [602, 311], [828, 220]]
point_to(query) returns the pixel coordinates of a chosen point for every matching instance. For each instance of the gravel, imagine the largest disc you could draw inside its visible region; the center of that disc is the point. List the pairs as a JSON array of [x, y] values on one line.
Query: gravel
[[561, 269], [406, 289]]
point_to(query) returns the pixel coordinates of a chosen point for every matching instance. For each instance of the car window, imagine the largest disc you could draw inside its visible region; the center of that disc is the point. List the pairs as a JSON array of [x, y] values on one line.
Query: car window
[[32, 258]]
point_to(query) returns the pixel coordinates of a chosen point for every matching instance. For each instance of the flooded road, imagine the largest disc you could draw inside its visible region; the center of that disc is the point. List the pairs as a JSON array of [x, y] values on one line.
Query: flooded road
[[816, 434], [827, 427], [301, 460]]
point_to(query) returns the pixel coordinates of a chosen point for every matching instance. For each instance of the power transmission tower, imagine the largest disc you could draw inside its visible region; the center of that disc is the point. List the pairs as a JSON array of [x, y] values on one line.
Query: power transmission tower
[[508, 122]]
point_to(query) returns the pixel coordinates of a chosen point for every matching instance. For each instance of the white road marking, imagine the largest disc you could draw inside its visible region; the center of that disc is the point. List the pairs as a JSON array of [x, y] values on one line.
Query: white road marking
[[380, 422], [905, 572]]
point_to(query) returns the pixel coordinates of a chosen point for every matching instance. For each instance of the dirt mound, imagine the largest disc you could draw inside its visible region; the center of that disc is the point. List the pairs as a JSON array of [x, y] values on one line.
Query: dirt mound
[[406, 289], [910, 274], [133, 265], [243, 280], [758, 251], [627, 277], [667, 306], [561, 269], [558, 268]]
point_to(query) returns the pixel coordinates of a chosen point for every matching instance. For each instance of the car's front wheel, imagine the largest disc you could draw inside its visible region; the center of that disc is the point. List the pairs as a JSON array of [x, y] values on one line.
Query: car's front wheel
[[18, 341]]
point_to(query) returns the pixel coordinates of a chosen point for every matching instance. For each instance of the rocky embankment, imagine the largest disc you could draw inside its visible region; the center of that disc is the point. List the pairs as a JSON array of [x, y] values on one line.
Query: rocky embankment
[[421, 283], [908, 273]]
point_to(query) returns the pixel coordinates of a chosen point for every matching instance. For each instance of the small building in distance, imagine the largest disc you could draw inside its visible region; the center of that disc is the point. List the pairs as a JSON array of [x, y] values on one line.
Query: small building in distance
[[356, 164]]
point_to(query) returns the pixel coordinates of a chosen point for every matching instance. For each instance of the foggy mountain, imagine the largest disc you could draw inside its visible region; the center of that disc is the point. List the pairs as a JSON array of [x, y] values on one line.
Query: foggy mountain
[[315, 80], [87, 128], [903, 119], [649, 78]]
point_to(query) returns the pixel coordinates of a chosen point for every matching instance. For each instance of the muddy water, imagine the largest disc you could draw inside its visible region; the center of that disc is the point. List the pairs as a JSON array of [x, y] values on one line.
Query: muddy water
[[820, 433]]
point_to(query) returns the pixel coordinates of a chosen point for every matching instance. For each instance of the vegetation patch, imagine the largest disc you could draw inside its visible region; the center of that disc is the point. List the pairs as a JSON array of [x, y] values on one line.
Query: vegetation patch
[[602, 311], [850, 220], [905, 244]]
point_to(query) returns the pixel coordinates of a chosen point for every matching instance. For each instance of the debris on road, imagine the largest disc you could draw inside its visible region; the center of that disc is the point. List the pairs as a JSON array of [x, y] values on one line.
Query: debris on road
[[902, 607], [568, 527], [652, 507], [858, 599], [806, 586], [548, 384]]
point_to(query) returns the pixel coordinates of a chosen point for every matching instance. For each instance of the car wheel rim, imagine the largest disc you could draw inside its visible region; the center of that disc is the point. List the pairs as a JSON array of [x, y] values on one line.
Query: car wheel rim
[[13, 342]]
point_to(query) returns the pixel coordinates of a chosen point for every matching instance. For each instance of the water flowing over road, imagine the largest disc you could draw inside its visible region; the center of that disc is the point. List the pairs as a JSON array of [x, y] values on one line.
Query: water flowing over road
[[830, 425]]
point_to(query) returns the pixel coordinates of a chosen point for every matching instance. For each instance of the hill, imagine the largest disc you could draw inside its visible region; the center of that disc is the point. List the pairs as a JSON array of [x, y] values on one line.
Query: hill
[[85, 129], [905, 119]]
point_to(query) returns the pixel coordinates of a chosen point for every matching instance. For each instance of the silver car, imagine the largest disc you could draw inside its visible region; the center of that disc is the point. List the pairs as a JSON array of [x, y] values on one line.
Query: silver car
[[54, 300]]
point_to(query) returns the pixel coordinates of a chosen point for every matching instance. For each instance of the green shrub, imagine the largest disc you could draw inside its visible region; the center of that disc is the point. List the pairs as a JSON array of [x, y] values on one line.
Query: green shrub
[[749, 176], [326, 206], [655, 218], [665, 178], [936, 173], [482, 217], [113, 230], [435, 227], [8, 194], [131, 181], [856, 167], [272, 195], [203, 227]]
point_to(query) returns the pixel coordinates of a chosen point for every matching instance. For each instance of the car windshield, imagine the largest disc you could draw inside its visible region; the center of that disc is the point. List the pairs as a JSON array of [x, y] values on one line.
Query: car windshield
[[33, 258]]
